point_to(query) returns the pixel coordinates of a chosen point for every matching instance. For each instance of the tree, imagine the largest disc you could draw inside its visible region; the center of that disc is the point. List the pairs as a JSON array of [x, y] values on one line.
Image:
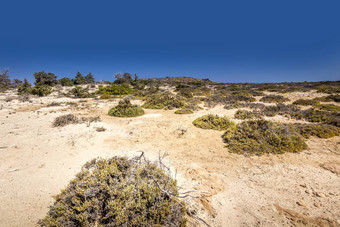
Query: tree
[[90, 79], [5, 81], [66, 81], [79, 79], [120, 79], [127, 76], [17, 83], [43, 78]]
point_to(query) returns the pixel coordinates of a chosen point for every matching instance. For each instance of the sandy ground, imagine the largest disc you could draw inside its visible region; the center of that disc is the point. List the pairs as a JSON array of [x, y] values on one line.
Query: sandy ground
[[37, 161]]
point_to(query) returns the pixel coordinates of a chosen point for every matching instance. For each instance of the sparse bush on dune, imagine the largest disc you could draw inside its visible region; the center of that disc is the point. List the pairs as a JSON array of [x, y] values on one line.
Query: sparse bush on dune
[[257, 137], [163, 101], [215, 122], [306, 102], [126, 109], [274, 98], [118, 192]]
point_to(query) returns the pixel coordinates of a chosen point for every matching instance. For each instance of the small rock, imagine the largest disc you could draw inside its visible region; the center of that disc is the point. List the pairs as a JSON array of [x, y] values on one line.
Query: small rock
[[307, 191], [316, 204], [301, 203], [319, 194], [12, 170], [303, 185]]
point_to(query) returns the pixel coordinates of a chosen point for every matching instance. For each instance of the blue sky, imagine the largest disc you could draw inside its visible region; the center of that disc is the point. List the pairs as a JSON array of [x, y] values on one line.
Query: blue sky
[[226, 41]]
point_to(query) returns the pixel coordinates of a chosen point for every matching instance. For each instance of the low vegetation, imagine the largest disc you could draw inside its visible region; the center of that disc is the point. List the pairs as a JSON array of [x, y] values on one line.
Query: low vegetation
[[306, 102], [245, 114], [328, 107], [274, 98], [214, 122], [126, 109], [329, 98], [118, 192], [184, 111]]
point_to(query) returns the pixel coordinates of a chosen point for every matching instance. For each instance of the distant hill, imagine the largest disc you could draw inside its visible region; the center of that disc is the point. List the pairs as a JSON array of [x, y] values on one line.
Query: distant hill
[[183, 79]]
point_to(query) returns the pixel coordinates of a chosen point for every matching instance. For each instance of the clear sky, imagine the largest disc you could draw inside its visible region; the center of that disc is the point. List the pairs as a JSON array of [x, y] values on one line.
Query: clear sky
[[226, 41]]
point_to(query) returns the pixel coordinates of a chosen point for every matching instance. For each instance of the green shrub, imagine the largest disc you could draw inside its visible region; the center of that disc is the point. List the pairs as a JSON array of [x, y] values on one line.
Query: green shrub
[[80, 92], [105, 96], [306, 102], [214, 122], [184, 111], [328, 107], [163, 101], [257, 137], [42, 90], [273, 98], [115, 89], [126, 109], [118, 192]]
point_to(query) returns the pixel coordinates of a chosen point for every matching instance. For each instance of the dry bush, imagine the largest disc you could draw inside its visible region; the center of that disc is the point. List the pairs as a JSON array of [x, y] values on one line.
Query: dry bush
[[274, 98], [213, 122], [65, 120], [118, 192], [126, 109]]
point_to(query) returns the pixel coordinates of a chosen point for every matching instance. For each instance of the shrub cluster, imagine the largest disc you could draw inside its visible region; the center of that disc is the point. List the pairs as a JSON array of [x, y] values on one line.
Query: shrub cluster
[[215, 122], [126, 109], [245, 114], [79, 92], [328, 107], [163, 101], [329, 98], [118, 192], [274, 98], [319, 130], [306, 102], [258, 137]]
